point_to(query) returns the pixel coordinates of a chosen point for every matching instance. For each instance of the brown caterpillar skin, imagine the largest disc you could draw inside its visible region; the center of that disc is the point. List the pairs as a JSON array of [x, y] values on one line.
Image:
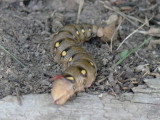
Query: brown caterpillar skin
[[79, 69]]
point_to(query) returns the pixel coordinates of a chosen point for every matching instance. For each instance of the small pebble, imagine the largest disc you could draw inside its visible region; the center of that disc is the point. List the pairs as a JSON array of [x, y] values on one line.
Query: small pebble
[[1, 76], [100, 96], [105, 61], [9, 71], [140, 68]]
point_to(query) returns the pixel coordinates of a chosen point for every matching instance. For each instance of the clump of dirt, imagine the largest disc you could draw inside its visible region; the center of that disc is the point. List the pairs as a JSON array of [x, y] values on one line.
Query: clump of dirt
[[26, 29]]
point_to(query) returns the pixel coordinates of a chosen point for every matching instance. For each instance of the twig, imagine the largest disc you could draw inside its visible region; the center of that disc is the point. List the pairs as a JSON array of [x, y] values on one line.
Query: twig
[[114, 34], [155, 74], [18, 96], [81, 2], [112, 92], [15, 33], [134, 18], [101, 80]]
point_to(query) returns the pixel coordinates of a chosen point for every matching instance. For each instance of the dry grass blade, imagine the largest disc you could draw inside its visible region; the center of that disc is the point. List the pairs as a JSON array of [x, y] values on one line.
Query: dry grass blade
[[12, 56], [135, 19], [81, 2], [19, 62]]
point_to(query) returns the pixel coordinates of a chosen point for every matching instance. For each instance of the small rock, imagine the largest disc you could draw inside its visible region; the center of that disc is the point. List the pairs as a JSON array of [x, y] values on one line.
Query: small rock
[[100, 96], [1, 76], [36, 54], [105, 61], [140, 68], [30, 76], [2, 54], [9, 71], [43, 52], [153, 83]]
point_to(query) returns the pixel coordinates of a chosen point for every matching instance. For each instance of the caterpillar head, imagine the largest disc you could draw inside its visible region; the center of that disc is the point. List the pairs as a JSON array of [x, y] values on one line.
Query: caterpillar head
[[62, 90]]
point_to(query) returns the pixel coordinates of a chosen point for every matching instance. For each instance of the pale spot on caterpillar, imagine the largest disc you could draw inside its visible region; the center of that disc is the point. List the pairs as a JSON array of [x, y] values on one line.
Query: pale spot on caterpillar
[[70, 78], [91, 63], [90, 30], [83, 30], [57, 44], [70, 59], [83, 72], [63, 53], [77, 32]]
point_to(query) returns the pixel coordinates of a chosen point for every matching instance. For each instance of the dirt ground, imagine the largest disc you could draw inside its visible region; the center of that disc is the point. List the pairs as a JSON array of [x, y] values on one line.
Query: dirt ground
[[26, 29]]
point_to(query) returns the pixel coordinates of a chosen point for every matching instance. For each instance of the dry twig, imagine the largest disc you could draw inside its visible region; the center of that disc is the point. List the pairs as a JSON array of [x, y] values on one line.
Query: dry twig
[[18, 95], [81, 2], [101, 80]]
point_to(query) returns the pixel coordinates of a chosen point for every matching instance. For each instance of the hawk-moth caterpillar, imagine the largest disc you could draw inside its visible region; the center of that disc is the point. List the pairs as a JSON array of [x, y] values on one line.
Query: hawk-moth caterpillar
[[79, 69]]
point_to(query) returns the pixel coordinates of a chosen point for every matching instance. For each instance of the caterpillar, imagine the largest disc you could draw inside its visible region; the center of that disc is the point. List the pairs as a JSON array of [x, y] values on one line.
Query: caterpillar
[[79, 69]]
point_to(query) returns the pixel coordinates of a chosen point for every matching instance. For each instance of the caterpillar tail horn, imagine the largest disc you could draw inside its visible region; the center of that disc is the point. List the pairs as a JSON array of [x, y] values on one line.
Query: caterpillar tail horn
[[62, 90]]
